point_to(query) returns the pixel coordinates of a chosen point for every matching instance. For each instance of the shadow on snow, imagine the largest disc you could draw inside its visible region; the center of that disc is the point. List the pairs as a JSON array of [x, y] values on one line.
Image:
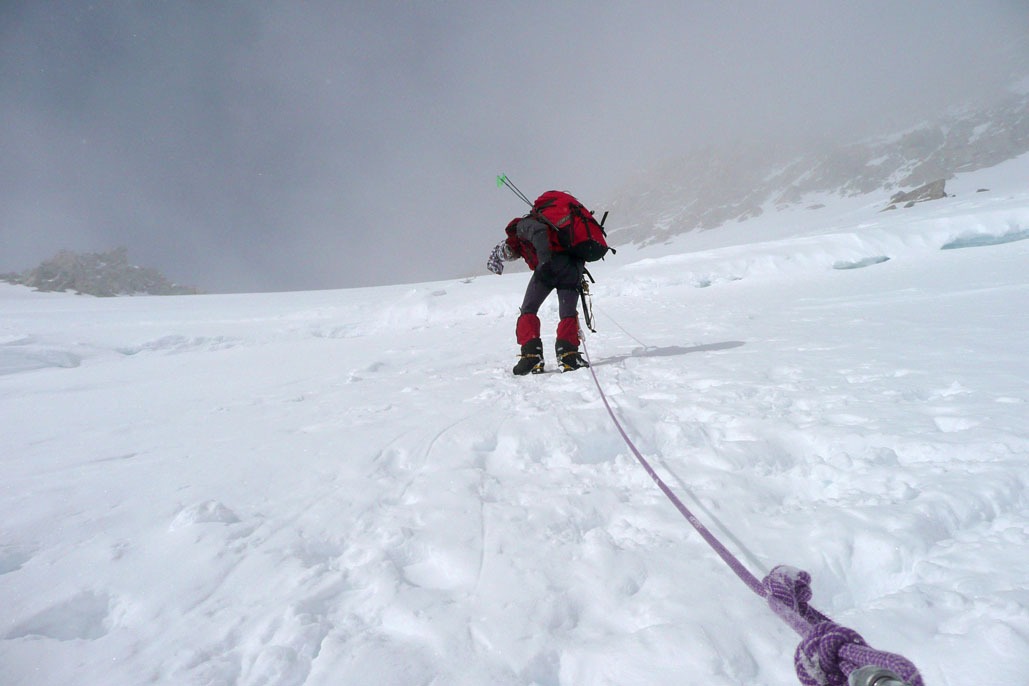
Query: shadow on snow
[[669, 351]]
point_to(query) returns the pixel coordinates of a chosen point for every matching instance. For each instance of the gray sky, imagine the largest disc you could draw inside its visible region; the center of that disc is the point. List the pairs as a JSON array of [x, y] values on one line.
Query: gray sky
[[253, 145]]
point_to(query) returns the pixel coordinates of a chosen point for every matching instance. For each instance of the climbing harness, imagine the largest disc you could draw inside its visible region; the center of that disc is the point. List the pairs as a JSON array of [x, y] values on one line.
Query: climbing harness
[[828, 654]]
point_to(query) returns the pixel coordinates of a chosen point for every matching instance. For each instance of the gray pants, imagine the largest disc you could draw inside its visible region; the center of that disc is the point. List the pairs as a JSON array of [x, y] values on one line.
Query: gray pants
[[563, 274]]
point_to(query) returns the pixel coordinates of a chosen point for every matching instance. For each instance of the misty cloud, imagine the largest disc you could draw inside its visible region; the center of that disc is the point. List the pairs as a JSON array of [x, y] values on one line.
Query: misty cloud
[[245, 146]]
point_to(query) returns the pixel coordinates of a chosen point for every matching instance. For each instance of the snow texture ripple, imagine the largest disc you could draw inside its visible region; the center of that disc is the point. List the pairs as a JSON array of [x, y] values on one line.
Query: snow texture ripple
[[350, 487]]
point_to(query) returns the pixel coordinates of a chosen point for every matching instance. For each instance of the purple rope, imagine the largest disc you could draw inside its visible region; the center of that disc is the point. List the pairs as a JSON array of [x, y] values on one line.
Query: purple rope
[[828, 652]]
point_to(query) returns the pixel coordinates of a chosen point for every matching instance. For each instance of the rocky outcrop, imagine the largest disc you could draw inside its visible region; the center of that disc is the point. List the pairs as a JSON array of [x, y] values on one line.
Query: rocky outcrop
[[101, 274], [930, 191]]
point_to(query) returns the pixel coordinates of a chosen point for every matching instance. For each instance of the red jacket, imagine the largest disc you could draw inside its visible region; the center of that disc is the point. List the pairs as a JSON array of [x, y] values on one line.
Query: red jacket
[[519, 246], [531, 240]]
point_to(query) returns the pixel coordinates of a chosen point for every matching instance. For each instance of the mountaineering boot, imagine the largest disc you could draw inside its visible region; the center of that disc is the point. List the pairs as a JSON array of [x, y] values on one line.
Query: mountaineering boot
[[531, 359], [568, 357]]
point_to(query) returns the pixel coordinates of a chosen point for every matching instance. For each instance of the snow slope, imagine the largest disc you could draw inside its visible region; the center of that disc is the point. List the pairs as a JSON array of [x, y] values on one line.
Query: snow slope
[[349, 487]]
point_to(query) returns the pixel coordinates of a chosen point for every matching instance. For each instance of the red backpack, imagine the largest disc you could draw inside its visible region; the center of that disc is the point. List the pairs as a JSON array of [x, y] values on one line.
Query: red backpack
[[574, 229]]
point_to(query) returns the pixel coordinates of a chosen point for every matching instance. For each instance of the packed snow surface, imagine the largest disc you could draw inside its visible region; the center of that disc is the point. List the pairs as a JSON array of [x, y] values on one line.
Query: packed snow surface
[[350, 487]]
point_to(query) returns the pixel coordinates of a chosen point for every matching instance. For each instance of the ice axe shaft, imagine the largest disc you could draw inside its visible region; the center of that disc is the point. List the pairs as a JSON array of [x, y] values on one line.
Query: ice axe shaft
[[502, 180]]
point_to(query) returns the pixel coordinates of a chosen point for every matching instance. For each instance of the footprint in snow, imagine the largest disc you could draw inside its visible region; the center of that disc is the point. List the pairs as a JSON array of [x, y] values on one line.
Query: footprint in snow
[[13, 557], [85, 616]]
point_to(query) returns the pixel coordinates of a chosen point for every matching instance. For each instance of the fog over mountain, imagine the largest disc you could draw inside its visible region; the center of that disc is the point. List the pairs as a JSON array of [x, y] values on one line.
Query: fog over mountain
[[271, 146], [720, 184]]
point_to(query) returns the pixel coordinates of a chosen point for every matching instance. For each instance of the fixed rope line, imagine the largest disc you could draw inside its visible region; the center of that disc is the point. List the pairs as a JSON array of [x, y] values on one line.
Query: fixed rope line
[[615, 322], [828, 654]]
